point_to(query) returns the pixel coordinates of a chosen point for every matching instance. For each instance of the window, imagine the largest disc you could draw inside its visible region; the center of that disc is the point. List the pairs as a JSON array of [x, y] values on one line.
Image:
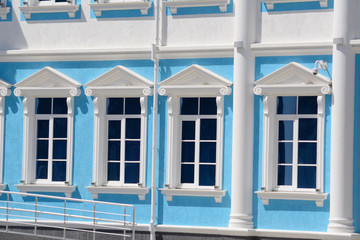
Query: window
[[120, 129], [105, 5], [175, 4], [48, 131], [51, 140], [195, 130], [4, 10], [49, 6], [293, 134]]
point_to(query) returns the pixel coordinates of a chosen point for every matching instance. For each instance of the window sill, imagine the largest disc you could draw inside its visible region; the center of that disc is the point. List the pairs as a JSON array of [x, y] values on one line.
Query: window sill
[[141, 192], [2, 187], [99, 7], [175, 4], [67, 190], [270, 3], [217, 194], [3, 12], [70, 9], [317, 197]]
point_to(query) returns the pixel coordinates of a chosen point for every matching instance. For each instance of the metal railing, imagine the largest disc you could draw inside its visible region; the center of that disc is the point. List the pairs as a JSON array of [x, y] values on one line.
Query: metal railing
[[64, 218]]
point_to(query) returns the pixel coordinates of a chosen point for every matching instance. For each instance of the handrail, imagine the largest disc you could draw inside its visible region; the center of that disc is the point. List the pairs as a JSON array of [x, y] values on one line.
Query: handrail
[[118, 221]]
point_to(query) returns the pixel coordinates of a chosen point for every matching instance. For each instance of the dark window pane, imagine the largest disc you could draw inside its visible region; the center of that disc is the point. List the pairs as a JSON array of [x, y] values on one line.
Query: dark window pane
[[59, 171], [132, 172], [208, 129], [114, 150], [307, 153], [285, 152], [114, 129], [308, 105], [133, 126], [188, 130], [132, 150], [307, 177], [59, 149], [208, 106], [60, 127], [43, 106], [60, 0], [284, 175], [286, 105], [307, 128], [187, 151], [132, 106], [60, 106], [189, 106], [41, 170], [207, 175], [286, 130], [42, 149], [208, 152], [113, 173], [187, 173], [42, 128], [115, 105]]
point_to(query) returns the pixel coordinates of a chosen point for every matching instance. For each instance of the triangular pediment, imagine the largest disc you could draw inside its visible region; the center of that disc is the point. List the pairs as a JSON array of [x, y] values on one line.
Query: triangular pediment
[[294, 74], [119, 76], [196, 75], [48, 78]]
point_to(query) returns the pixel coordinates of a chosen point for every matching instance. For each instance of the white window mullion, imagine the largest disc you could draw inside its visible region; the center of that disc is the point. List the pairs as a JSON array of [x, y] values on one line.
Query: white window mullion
[[50, 154], [295, 152], [197, 152], [122, 150]]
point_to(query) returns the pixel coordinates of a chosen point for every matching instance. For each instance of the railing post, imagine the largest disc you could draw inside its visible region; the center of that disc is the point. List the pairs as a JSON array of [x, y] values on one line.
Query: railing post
[[133, 227], [35, 227], [94, 229], [124, 223], [7, 212], [64, 219]]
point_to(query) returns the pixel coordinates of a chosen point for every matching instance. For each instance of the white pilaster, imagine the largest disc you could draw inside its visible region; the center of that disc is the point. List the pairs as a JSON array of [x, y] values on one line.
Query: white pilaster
[[243, 115], [342, 119]]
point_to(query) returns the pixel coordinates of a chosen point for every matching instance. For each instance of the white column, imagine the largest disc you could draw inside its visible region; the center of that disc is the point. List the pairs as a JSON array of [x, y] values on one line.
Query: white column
[[342, 119], [243, 115]]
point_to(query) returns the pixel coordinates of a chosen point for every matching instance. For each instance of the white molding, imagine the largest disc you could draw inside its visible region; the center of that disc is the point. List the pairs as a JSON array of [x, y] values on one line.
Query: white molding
[[143, 6], [317, 197], [216, 194], [291, 49], [140, 191], [210, 51], [355, 43], [4, 12], [270, 3], [70, 9], [175, 4], [67, 190]]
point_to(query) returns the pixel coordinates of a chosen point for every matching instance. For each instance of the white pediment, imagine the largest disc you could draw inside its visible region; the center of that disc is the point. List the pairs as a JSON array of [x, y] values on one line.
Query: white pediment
[[119, 81], [292, 79], [195, 79], [47, 81]]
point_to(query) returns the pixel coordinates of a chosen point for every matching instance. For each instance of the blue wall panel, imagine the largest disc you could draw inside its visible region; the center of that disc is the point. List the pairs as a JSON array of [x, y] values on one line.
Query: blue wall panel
[[289, 214], [299, 6]]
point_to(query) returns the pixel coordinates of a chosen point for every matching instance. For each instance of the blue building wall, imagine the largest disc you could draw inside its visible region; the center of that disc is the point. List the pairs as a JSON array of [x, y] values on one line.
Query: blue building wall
[[289, 214]]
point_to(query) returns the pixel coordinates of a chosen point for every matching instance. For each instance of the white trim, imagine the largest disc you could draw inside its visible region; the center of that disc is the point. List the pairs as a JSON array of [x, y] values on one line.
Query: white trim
[[143, 6], [4, 12], [67, 190], [70, 9], [317, 197], [175, 4], [140, 191], [270, 3], [216, 194], [291, 49]]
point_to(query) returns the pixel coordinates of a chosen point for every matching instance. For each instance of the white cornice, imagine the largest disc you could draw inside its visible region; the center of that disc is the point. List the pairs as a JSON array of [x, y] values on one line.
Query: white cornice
[[141, 192], [292, 49], [356, 45], [175, 4], [70, 9], [3, 12], [99, 7]]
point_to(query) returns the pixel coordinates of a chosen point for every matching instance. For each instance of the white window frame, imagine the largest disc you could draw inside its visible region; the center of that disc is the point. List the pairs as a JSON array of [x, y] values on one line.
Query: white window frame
[[4, 10], [119, 82], [291, 80], [105, 5], [175, 4], [270, 3], [4, 92], [195, 81], [37, 6], [46, 83]]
